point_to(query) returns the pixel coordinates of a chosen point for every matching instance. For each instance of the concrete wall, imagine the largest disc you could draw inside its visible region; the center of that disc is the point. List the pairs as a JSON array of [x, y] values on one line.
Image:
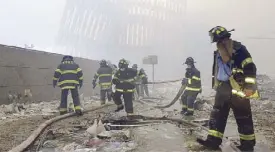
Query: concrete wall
[[22, 69]]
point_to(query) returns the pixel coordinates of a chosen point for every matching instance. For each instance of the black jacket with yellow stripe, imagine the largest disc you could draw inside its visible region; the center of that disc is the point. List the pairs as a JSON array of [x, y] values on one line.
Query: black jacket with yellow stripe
[[104, 75], [194, 79], [243, 68], [68, 75], [125, 80]]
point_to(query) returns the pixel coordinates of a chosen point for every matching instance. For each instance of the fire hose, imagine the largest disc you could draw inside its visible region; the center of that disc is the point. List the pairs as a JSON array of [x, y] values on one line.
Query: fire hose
[[35, 134], [182, 88]]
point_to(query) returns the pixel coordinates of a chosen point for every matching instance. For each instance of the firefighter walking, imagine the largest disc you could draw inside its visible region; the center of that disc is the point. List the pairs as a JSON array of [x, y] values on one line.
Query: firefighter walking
[[234, 79], [192, 81], [68, 76], [104, 74], [124, 80]]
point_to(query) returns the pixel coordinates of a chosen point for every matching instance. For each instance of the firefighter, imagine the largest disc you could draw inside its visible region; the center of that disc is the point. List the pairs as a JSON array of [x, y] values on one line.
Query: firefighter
[[104, 74], [144, 82], [234, 79], [192, 81], [68, 76], [124, 80], [137, 82]]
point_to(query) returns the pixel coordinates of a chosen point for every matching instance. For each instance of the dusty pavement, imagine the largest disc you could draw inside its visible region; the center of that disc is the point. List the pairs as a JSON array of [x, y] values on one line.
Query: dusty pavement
[[70, 134]]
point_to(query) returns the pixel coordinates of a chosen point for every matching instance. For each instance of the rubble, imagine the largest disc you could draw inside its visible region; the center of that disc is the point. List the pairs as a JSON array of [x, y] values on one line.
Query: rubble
[[70, 134]]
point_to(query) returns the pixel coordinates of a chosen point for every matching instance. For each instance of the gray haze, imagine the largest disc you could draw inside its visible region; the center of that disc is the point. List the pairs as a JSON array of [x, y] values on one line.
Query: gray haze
[[38, 21]]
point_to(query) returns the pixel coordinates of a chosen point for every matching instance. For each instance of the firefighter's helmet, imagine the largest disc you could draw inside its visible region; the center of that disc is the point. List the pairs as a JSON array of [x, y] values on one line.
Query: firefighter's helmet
[[135, 66], [67, 57], [218, 33], [123, 63], [103, 63], [189, 61]]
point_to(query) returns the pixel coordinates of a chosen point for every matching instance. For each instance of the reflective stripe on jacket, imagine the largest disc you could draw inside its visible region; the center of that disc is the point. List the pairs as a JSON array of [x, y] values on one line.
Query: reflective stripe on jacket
[[104, 75], [68, 74], [243, 72], [127, 80], [194, 80]]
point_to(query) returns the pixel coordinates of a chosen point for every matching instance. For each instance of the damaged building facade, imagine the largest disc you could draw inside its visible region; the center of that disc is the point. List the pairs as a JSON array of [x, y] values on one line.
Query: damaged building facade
[[128, 27]]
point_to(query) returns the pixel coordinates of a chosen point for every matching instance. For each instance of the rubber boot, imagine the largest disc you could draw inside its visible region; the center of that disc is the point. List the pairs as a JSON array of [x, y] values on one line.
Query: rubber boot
[[79, 112], [130, 116], [208, 144], [119, 107], [63, 112], [183, 111], [102, 102], [245, 148], [189, 113]]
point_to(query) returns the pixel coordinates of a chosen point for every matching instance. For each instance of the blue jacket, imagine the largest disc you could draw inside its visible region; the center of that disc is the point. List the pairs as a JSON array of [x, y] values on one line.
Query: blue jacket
[[243, 68]]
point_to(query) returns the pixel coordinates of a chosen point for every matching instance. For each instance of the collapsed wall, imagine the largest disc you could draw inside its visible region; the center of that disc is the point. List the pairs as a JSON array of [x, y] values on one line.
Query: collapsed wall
[[24, 69]]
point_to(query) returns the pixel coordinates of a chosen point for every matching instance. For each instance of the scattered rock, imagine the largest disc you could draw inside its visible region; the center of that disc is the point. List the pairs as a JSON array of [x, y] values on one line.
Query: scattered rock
[[266, 105]]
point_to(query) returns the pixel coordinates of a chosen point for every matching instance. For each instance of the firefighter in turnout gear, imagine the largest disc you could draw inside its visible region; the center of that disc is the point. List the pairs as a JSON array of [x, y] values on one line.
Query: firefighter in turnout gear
[[68, 76], [124, 79], [137, 83], [104, 74], [192, 81], [144, 82], [234, 79]]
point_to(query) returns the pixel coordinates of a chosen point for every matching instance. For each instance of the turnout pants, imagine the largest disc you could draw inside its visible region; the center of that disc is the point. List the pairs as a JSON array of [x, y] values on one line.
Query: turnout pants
[[224, 100], [128, 100], [64, 98], [104, 93], [144, 88], [188, 99]]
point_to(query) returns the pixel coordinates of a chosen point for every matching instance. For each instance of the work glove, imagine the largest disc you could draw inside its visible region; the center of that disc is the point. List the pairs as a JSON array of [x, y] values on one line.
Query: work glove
[[115, 81], [184, 81], [94, 84], [80, 84], [54, 84]]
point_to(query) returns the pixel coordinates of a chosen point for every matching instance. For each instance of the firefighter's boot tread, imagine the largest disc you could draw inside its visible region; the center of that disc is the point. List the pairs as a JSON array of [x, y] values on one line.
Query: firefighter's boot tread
[[208, 144], [119, 107]]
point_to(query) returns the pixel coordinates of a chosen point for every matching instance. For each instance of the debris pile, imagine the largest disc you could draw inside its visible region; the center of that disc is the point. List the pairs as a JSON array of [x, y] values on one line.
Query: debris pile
[[266, 87], [16, 111]]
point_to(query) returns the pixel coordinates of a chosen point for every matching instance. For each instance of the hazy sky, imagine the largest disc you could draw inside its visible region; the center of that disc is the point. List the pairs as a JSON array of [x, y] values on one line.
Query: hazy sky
[[30, 21], [37, 22]]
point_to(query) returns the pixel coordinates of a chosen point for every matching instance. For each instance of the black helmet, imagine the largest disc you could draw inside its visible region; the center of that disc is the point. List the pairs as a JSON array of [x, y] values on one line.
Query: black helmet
[[189, 61], [218, 33], [103, 63], [67, 57], [123, 63], [135, 66]]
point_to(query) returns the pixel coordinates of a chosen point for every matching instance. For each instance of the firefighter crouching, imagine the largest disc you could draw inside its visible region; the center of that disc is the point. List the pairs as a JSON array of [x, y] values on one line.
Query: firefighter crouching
[[192, 81], [68, 76], [234, 78], [124, 80], [104, 74]]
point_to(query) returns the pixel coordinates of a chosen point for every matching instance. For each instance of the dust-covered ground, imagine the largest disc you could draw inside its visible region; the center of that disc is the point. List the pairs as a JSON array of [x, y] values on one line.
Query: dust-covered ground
[[155, 136]]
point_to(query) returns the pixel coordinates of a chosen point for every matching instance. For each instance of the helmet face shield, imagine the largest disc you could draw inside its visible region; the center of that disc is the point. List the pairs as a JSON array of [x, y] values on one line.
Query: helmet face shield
[[211, 36]]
